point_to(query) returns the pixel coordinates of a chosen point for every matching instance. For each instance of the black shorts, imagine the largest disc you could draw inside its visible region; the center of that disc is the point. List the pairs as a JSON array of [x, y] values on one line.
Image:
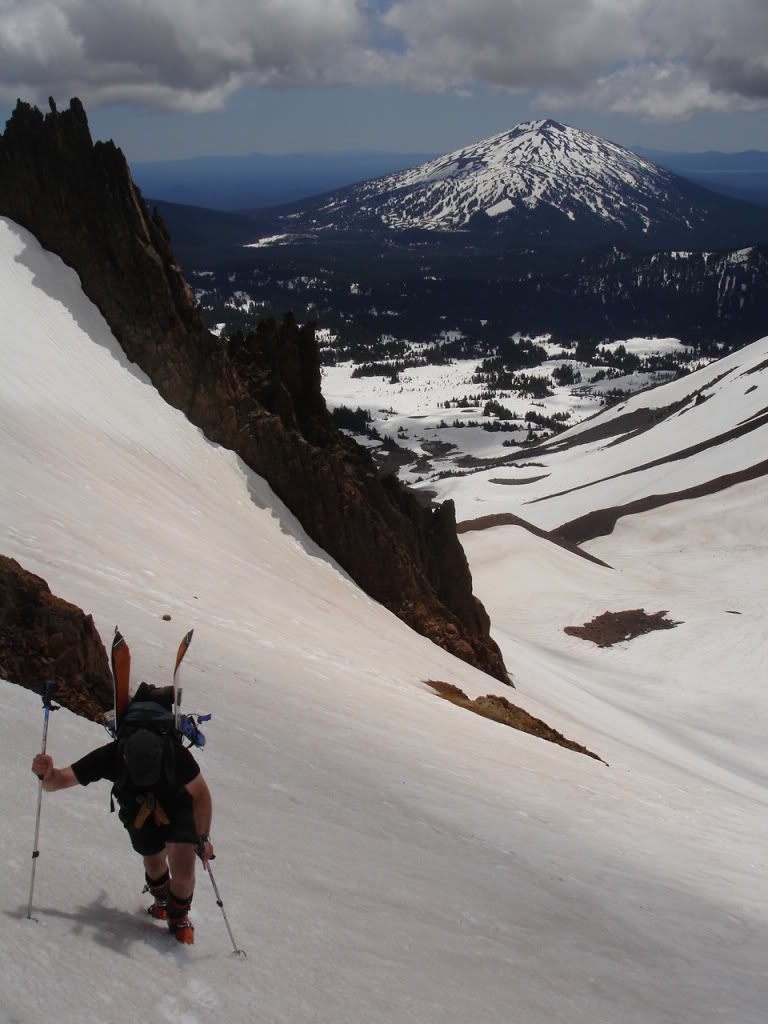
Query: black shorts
[[151, 837]]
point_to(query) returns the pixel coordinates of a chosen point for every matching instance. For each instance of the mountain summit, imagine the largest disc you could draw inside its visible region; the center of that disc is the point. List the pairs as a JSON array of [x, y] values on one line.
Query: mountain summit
[[535, 165], [540, 182]]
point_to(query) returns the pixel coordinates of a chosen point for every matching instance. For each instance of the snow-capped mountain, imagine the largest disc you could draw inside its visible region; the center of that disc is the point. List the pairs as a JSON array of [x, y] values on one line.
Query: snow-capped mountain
[[542, 181]]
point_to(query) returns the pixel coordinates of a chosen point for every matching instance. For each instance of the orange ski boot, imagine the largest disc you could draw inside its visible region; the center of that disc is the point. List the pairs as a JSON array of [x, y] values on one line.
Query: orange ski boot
[[179, 924], [159, 888]]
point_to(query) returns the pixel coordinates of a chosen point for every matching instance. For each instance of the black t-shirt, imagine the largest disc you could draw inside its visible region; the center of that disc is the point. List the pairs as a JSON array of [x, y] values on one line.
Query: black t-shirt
[[105, 763]]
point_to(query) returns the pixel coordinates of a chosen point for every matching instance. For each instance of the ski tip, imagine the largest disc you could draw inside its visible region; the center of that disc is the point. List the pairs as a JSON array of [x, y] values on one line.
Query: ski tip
[[183, 647]]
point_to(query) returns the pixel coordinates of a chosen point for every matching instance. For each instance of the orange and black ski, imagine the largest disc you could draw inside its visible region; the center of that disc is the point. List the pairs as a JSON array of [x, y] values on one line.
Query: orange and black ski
[[121, 674], [183, 646]]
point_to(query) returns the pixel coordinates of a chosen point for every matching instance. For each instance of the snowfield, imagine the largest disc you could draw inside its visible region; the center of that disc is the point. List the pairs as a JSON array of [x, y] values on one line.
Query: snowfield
[[443, 405], [385, 857]]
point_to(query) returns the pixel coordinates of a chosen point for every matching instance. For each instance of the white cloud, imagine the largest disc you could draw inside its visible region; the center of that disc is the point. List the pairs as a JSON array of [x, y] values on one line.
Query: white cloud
[[185, 54], [654, 91], [639, 56]]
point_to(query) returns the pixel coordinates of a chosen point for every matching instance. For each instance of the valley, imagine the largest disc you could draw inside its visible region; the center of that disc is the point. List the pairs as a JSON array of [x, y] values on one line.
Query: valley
[[540, 231]]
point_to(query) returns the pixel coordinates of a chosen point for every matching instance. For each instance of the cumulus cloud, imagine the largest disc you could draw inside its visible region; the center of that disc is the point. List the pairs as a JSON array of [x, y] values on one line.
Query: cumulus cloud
[[652, 91], [183, 54], [638, 56]]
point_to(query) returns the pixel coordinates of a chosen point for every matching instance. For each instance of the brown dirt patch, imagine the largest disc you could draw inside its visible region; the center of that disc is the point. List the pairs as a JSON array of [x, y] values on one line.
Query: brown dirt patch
[[499, 709], [754, 422], [508, 481], [614, 627], [508, 519], [758, 368], [601, 522], [755, 415]]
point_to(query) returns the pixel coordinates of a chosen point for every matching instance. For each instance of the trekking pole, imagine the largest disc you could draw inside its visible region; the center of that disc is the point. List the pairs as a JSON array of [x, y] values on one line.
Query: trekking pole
[[237, 950], [36, 853]]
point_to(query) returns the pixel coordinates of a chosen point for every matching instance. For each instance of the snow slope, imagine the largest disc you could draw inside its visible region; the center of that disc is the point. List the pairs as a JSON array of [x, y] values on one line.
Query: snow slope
[[383, 856]]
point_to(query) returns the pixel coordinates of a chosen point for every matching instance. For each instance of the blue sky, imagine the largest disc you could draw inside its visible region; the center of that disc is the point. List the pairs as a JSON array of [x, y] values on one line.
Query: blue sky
[[187, 78]]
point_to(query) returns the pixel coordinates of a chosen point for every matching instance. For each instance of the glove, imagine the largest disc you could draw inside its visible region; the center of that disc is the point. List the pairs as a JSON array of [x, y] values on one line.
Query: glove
[[204, 850]]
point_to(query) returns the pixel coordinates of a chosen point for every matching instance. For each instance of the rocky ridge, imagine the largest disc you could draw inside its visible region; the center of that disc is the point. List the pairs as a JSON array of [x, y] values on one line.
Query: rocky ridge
[[258, 395], [43, 637]]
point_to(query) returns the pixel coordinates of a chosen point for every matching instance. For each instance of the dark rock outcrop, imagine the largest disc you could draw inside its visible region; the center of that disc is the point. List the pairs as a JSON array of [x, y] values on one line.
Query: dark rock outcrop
[[259, 395], [43, 637]]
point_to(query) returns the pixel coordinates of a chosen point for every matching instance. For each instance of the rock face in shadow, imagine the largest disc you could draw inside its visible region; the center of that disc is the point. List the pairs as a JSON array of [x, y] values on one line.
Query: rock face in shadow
[[259, 395], [43, 637]]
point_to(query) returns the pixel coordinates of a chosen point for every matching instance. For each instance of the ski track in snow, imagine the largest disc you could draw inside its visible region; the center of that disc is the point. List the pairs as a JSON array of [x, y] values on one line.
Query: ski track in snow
[[382, 855]]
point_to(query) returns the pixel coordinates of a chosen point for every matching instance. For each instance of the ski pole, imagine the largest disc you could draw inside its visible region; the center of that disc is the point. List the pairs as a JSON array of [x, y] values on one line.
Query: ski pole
[[36, 853], [237, 950]]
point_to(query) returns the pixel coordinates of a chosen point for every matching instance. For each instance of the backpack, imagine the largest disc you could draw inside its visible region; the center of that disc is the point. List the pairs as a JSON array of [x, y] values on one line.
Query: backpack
[[147, 742]]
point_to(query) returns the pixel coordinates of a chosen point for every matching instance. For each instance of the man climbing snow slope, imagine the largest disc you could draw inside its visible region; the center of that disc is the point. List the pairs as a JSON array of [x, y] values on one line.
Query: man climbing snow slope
[[165, 805]]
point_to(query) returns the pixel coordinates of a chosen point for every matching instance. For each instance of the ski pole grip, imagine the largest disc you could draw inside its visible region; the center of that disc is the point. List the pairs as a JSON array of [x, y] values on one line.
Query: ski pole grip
[[49, 686]]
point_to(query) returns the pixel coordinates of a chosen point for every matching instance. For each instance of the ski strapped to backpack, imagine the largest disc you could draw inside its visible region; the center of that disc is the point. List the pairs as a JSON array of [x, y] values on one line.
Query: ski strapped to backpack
[[186, 640], [121, 674], [187, 726], [148, 729]]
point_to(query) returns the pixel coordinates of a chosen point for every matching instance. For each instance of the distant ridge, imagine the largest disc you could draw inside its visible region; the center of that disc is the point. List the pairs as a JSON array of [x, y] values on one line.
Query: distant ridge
[[742, 175], [256, 180]]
